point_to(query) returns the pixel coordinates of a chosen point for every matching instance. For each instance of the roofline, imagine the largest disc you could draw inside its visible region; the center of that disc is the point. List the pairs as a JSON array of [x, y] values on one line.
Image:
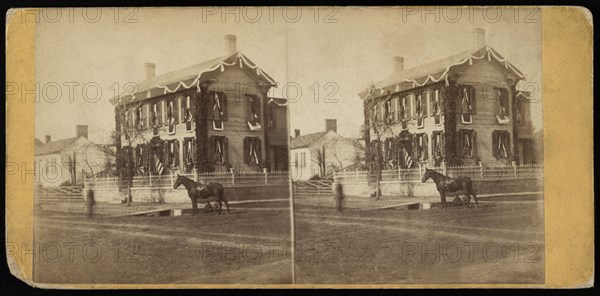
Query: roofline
[[489, 53], [241, 60]]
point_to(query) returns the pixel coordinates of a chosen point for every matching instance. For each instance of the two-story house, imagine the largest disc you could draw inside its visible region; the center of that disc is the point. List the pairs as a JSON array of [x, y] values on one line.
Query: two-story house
[[212, 116], [457, 110]]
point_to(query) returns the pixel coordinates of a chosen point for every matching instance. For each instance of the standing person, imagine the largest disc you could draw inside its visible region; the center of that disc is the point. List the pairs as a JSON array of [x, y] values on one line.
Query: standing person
[[338, 193], [89, 202]]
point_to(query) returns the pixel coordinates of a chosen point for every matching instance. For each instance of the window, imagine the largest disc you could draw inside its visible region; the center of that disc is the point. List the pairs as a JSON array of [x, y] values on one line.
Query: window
[[154, 119], [189, 153], [252, 152], [467, 95], [172, 157], [141, 157], [188, 114], [126, 124], [253, 112], [171, 116], [501, 144], [420, 110], [404, 113], [467, 142], [437, 144], [394, 109], [217, 149], [141, 118], [218, 109], [296, 160], [435, 109], [421, 146], [503, 106], [303, 159]]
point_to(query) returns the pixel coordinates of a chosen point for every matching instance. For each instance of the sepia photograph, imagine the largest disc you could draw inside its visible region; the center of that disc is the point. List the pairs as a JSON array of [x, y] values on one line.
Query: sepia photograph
[[334, 146]]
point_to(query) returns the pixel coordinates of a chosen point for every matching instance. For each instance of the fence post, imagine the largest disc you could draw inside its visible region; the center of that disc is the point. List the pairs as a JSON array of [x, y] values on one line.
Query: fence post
[[171, 178], [420, 172], [266, 175], [514, 165], [232, 176], [444, 169], [481, 169], [195, 175]]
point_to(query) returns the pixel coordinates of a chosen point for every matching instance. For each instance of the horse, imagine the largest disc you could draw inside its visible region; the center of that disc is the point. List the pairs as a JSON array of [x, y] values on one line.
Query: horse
[[199, 192], [445, 184]]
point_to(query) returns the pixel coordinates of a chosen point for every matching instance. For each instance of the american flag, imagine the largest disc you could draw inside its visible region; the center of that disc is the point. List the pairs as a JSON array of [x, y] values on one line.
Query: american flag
[[408, 159], [159, 166]]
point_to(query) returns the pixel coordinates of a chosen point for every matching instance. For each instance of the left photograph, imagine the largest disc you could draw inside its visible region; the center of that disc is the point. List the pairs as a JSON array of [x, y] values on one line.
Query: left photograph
[[161, 150]]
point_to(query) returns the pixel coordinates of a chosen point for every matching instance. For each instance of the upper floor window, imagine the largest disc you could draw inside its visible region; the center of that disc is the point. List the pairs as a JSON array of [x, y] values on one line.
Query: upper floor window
[[253, 112], [420, 110], [503, 106], [467, 103], [217, 109], [271, 116]]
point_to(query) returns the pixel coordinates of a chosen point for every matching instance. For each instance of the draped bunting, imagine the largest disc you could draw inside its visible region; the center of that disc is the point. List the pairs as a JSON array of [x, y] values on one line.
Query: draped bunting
[[489, 53]]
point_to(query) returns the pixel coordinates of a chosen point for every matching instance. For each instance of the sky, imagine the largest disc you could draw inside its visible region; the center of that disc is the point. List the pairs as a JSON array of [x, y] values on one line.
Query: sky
[[322, 57]]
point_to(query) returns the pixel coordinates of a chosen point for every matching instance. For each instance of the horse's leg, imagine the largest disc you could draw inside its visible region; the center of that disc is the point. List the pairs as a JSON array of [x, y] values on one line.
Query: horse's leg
[[443, 197], [194, 207], [475, 197], [225, 201]]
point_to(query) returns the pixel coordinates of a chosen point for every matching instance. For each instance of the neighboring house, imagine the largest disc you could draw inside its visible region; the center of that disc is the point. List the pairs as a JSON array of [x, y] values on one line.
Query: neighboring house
[[457, 110], [322, 153], [212, 116], [67, 161]]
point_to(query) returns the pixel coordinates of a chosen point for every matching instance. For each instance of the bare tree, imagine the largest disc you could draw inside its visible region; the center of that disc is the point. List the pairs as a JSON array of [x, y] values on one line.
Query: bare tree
[[319, 157]]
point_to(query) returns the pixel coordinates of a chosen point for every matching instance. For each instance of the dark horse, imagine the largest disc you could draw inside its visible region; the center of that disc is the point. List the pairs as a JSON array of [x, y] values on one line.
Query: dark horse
[[199, 192], [449, 185]]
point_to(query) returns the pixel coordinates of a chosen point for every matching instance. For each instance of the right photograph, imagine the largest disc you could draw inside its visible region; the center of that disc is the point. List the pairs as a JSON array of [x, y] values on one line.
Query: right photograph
[[416, 146]]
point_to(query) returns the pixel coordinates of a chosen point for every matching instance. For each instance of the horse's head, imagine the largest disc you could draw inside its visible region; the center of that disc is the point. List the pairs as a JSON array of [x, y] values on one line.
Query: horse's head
[[426, 175], [178, 181]]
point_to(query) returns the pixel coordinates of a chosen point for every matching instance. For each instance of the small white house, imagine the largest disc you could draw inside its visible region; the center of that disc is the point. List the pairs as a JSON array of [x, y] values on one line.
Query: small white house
[[322, 153], [66, 161]]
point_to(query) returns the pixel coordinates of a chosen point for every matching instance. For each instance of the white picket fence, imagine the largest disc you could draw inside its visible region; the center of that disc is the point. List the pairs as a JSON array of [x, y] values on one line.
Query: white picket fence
[[229, 178], [475, 172]]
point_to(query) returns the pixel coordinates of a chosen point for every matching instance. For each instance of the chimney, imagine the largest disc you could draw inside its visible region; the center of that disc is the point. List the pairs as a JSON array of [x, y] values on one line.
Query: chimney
[[150, 70], [48, 139], [478, 38], [331, 124], [296, 133], [81, 131], [230, 43], [398, 64]]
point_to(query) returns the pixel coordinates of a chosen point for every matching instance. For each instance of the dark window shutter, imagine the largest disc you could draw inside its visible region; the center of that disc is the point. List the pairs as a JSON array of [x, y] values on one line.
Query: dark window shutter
[[443, 143], [225, 149], [259, 151], [176, 110], [474, 142], [193, 107], [167, 154], [224, 106], [211, 149], [185, 150], [424, 104], [176, 150], [459, 143], [194, 151], [506, 101], [431, 102], [508, 148], [473, 100], [246, 150], [426, 146], [442, 102], [495, 144], [415, 144], [160, 111]]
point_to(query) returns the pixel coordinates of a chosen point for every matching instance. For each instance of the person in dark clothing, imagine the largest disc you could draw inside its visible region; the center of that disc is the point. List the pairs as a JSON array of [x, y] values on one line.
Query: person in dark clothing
[[89, 202], [338, 193]]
